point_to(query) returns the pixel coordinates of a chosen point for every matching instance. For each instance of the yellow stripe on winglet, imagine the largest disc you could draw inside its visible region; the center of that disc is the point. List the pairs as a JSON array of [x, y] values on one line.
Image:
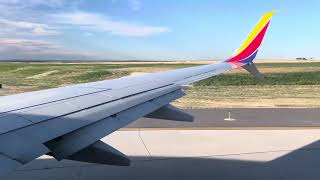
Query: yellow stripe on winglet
[[263, 21]]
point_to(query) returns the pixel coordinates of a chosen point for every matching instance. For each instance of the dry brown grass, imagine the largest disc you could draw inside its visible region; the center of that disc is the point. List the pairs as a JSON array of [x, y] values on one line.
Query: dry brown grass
[[251, 96]]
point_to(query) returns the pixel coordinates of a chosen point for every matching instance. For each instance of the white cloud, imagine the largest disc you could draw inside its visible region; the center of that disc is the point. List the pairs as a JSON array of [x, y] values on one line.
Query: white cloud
[[20, 24], [27, 27], [44, 32], [30, 3], [15, 48], [28, 45], [102, 23], [34, 49]]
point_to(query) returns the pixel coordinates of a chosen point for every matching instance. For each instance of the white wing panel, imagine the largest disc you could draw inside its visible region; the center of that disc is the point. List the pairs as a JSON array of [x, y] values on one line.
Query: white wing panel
[[47, 111], [68, 107], [25, 100]]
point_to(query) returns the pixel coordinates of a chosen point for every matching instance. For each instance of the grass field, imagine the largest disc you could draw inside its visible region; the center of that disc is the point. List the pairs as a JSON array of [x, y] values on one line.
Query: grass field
[[287, 84]]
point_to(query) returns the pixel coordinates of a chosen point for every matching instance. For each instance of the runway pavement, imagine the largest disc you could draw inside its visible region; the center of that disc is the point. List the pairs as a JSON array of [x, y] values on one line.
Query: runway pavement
[[244, 118], [194, 155], [197, 150]]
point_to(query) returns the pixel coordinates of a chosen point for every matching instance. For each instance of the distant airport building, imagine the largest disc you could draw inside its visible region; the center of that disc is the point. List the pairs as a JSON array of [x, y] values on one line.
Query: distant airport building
[[302, 58]]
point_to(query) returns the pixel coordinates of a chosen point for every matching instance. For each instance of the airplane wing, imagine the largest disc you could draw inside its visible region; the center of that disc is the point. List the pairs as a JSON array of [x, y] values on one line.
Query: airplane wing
[[68, 122]]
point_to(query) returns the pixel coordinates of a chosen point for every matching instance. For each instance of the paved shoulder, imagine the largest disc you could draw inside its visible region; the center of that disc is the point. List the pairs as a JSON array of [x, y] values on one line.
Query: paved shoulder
[[243, 117]]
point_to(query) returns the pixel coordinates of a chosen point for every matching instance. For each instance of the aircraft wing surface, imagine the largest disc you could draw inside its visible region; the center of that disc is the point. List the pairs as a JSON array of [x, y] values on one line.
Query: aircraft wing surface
[[68, 122]]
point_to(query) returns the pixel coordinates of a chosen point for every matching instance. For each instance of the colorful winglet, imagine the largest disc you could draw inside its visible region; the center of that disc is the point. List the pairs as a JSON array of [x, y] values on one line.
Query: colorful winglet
[[249, 49]]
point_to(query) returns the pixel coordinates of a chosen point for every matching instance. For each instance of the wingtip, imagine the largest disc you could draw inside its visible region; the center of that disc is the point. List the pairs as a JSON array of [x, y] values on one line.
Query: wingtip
[[249, 47], [270, 14]]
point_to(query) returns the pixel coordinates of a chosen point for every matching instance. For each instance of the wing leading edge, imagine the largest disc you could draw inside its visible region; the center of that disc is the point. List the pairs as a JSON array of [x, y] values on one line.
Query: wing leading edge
[[68, 122]]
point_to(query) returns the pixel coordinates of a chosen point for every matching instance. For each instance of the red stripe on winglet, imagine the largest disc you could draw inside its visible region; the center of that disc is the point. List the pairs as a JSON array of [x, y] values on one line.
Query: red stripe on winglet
[[254, 45]]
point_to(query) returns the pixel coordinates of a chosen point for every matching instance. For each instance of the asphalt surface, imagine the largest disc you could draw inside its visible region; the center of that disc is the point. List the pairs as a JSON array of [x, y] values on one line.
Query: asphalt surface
[[244, 117], [194, 155]]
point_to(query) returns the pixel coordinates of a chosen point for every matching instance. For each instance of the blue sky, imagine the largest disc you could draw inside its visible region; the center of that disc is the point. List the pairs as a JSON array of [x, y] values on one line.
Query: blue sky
[[153, 29]]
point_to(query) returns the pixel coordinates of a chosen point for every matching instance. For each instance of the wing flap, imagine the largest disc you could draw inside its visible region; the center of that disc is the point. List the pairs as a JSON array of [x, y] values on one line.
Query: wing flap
[[10, 122], [73, 142], [21, 148]]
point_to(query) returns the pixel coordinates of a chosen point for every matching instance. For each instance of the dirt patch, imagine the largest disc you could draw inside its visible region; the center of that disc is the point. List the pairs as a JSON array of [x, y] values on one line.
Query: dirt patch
[[251, 96], [137, 73], [248, 103], [39, 76]]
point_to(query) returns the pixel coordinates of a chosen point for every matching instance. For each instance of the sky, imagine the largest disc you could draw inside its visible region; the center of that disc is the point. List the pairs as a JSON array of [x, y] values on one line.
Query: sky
[[153, 29]]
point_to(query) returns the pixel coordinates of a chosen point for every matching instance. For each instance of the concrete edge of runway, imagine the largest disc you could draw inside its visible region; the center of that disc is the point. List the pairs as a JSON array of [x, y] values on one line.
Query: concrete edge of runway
[[220, 128]]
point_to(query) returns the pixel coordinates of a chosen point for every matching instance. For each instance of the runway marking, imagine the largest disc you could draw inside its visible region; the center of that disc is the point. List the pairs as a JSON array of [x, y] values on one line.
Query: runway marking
[[229, 118]]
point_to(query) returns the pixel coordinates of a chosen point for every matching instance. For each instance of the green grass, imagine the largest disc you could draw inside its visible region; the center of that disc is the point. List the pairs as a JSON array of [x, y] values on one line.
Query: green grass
[[241, 79], [288, 65]]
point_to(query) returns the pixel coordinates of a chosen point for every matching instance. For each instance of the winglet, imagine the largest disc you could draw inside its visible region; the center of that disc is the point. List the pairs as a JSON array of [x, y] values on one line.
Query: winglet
[[249, 48]]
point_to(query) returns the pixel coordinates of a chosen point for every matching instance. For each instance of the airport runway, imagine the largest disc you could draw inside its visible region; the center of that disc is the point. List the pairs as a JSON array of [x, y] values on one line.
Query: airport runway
[[244, 118]]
